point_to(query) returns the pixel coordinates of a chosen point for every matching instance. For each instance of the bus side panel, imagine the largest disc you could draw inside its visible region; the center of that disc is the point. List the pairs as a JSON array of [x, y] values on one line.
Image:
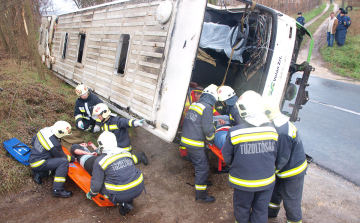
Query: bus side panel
[[278, 72], [183, 47]]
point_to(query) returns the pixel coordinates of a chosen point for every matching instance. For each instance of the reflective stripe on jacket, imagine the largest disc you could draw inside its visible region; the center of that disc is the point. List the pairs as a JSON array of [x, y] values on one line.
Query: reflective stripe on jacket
[[119, 126], [117, 172], [198, 125], [46, 146], [84, 108], [290, 141], [252, 153]]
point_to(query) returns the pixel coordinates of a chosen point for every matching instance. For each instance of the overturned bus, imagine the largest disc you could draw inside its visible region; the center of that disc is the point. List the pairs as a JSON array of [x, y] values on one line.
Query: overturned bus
[[141, 56]]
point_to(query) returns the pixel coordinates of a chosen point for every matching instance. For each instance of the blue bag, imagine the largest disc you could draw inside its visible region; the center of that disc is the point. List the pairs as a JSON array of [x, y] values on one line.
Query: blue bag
[[20, 151]]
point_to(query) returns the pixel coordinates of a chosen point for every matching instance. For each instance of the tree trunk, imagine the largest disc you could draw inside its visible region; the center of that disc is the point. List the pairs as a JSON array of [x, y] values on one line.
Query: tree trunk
[[3, 41], [32, 40]]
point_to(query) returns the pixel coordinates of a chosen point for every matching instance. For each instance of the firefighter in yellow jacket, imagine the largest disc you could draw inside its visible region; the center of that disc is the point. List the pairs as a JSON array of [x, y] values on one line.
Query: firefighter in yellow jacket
[[251, 151], [198, 126], [290, 179]]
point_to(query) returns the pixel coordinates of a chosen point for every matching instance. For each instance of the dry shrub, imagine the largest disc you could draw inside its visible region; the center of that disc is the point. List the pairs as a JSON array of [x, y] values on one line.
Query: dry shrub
[[354, 29]]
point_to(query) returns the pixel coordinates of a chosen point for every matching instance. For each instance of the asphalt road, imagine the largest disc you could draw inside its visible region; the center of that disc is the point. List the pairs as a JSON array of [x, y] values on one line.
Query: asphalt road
[[330, 126]]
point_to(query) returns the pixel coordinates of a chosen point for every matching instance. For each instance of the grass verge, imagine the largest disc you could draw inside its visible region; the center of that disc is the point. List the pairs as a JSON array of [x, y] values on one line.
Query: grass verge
[[26, 106], [345, 61], [309, 15], [316, 24]]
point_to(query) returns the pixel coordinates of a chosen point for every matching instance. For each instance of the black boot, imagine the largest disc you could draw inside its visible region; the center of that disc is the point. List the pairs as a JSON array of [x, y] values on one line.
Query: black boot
[[37, 177], [207, 199], [203, 197], [61, 193], [142, 158], [125, 208]]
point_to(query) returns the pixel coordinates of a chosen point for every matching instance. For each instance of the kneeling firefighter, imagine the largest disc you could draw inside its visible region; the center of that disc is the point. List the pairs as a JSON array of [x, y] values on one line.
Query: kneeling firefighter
[[47, 154], [114, 174], [83, 109], [117, 125], [228, 95], [290, 179], [251, 151], [198, 126]]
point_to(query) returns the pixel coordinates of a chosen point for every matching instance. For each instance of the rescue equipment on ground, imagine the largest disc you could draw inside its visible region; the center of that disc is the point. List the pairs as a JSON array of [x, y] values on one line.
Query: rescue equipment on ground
[[19, 150], [83, 179]]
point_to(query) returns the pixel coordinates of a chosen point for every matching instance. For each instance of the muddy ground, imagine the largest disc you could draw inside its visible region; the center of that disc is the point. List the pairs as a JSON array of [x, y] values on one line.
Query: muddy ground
[[170, 198]]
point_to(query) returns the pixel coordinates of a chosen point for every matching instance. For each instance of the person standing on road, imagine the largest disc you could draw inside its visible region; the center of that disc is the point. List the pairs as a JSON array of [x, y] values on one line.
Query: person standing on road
[[344, 24], [331, 29], [83, 109], [251, 152], [198, 126], [290, 179], [47, 154], [300, 19], [114, 174]]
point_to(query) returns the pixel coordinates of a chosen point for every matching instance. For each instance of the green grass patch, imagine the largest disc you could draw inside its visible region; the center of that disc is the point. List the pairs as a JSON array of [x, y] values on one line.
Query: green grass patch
[[345, 61], [316, 24], [309, 15], [26, 106]]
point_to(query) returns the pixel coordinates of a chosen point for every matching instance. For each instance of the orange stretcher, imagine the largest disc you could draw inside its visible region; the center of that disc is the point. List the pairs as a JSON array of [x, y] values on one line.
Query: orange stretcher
[[82, 178], [218, 153]]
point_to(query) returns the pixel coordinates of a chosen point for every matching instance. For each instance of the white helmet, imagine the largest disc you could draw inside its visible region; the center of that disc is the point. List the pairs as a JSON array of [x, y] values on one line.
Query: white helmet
[[107, 140], [212, 90], [101, 109], [225, 92], [251, 108], [272, 109], [61, 129], [81, 90]]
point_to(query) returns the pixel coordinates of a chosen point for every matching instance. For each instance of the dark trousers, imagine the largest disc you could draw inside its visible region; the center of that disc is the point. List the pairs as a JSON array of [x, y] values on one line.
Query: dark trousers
[[124, 197], [290, 191], [61, 167], [341, 37], [201, 164], [251, 206]]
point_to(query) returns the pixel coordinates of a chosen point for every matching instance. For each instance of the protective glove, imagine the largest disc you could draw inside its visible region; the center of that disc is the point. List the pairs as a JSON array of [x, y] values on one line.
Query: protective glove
[[183, 151], [88, 196], [96, 128], [139, 122], [80, 125]]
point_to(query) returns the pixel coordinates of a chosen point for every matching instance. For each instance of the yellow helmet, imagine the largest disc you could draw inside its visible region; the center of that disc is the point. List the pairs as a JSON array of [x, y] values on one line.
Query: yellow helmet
[[61, 129], [81, 90], [101, 109]]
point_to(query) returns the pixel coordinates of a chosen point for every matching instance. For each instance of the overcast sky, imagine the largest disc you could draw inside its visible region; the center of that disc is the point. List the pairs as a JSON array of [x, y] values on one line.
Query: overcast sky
[[62, 6]]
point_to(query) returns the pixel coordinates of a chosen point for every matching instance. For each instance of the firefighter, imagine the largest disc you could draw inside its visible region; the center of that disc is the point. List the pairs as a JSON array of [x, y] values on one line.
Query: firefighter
[[47, 154], [83, 109], [290, 179], [119, 126], [114, 174], [198, 126], [86, 158], [250, 150], [228, 95]]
